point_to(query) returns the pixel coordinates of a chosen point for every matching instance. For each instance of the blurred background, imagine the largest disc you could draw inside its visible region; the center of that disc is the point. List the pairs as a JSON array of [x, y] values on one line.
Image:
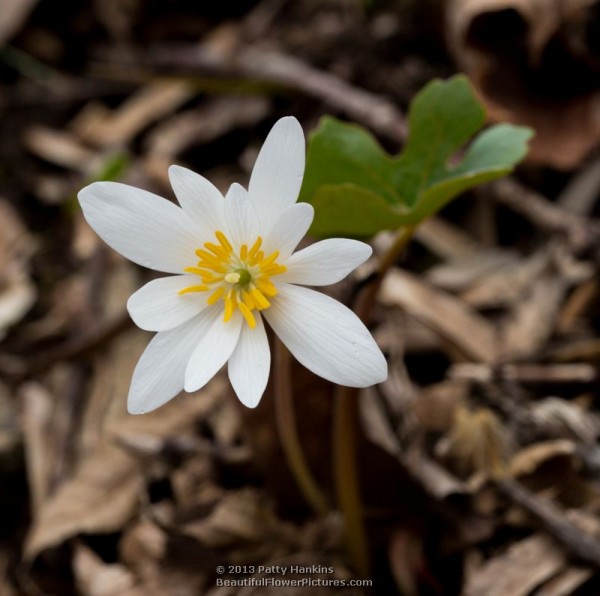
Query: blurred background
[[480, 459]]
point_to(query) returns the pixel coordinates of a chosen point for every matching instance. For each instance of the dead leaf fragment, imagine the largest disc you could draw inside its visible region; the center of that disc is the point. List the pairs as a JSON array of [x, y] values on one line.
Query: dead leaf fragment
[[101, 497], [14, 14], [529, 459], [102, 494], [450, 317], [17, 292], [524, 566], [534, 63], [96, 578]]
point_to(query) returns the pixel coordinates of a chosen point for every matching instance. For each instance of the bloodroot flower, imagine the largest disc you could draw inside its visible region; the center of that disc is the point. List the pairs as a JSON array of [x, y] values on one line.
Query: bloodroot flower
[[233, 262]]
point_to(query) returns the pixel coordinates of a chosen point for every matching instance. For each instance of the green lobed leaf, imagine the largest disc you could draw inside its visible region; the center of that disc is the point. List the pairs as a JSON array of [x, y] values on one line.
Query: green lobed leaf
[[358, 189]]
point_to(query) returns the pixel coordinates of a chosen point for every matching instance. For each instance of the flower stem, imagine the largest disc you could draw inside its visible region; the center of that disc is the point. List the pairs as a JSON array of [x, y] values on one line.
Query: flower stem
[[288, 435], [346, 429]]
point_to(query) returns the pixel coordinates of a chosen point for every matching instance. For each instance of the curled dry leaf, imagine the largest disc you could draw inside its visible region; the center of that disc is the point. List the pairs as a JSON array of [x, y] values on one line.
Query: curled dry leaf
[[476, 443], [534, 62], [529, 459]]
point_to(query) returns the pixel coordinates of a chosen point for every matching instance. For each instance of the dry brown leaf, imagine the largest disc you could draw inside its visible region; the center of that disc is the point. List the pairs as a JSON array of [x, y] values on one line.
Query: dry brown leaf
[[561, 419], [60, 148], [436, 405], [523, 567], [37, 411], [17, 292], [534, 63], [529, 459], [14, 14], [141, 109], [445, 239], [566, 582], [238, 517], [102, 494], [143, 544], [533, 318], [465, 273], [213, 119], [94, 577], [377, 425], [100, 497], [450, 317], [476, 443]]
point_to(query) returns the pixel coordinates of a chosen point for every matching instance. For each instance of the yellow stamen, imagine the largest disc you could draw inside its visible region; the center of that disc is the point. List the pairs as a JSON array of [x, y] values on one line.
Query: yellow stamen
[[274, 270], [197, 271], [230, 304], [269, 260], [255, 247], [223, 240], [242, 280], [216, 295], [218, 250], [266, 287], [192, 289], [260, 299], [247, 313], [247, 299]]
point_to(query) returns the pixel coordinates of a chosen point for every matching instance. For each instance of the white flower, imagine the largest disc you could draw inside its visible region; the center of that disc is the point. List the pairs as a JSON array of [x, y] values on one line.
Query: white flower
[[233, 263]]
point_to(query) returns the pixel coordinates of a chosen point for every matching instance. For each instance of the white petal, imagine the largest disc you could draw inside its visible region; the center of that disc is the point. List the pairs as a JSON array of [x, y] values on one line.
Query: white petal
[[157, 306], [200, 199], [325, 262], [212, 351], [250, 363], [326, 337], [277, 175], [288, 229], [240, 217], [142, 226], [159, 375]]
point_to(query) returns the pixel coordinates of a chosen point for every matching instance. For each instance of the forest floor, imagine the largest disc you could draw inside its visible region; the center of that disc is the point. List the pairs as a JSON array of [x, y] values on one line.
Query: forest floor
[[480, 463]]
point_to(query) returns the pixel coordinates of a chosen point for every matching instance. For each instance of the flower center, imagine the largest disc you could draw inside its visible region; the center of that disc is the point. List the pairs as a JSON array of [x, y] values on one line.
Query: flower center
[[242, 280]]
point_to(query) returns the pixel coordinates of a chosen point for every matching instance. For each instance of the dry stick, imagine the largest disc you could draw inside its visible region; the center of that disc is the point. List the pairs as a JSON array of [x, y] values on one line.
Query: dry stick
[[346, 426], [288, 434], [580, 232], [81, 344], [525, 373], [579, 544], [374, 111]]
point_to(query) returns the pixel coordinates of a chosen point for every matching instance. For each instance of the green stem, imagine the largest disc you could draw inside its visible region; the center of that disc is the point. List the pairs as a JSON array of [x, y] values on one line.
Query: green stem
[[346, 428], [288, 435]]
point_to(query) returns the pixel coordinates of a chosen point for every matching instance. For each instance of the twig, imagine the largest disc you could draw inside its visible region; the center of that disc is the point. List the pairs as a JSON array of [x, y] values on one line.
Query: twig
[[525, 373], [79, 345], [250, 63], [580, 545], [547, 216]]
